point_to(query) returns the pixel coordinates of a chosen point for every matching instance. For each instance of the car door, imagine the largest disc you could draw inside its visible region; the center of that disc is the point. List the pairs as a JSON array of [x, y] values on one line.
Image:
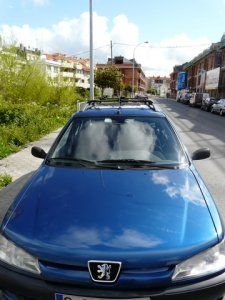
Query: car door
[[192, 99], [223, 105], [217, 106]]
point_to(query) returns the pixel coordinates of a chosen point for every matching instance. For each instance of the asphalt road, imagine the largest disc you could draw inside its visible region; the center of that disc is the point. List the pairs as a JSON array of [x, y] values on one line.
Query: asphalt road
[[199, 129]]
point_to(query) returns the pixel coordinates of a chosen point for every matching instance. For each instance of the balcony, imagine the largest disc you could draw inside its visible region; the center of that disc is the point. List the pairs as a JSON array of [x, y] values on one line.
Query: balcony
[[68, 74]]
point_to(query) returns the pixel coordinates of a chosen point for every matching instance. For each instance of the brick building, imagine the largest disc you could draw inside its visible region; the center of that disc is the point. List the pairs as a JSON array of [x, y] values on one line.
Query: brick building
[[126, 68], [222, 71], [173, 80], [198, 69], [205, 72]]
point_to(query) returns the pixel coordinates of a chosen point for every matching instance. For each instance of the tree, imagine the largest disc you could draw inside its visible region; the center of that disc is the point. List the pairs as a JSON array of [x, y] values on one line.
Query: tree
[[127, 89], [152, 91], [109, 77]]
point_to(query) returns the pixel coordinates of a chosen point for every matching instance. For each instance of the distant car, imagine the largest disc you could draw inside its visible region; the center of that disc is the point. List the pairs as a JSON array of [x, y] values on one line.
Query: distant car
[[196, 99], [219, 107], [207, 103], [185, 98]]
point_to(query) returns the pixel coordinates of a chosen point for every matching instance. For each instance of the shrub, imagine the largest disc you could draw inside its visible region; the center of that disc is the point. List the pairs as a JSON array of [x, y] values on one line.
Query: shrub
[[31, 105], [5, 179]]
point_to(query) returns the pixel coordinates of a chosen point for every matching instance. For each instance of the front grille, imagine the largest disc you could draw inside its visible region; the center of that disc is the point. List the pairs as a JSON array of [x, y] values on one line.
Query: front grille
[[77, 275]]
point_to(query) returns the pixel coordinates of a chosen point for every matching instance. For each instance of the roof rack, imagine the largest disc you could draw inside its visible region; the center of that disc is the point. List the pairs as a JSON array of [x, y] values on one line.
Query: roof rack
[[121, 101]]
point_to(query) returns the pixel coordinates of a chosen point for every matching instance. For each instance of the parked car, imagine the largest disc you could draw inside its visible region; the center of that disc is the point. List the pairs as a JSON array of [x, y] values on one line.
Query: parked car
[[196, 99], [178, 96], [207, 103], [219, 107], [185, 98], [117, 210]]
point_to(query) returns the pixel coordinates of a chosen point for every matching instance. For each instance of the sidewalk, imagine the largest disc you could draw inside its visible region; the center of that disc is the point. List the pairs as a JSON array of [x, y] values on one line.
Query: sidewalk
[[22, 162]]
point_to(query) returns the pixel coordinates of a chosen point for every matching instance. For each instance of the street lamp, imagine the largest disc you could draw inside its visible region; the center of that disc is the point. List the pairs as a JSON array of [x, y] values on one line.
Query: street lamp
[[91, 54], [146, 42]]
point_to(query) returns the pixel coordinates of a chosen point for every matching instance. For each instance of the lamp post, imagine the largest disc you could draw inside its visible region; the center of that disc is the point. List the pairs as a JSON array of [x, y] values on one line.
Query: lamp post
[[91, 54], [146, 42]]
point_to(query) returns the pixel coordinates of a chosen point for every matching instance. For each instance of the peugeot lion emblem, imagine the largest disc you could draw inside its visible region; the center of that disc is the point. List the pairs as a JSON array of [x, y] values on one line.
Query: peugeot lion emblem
[[104, 271]]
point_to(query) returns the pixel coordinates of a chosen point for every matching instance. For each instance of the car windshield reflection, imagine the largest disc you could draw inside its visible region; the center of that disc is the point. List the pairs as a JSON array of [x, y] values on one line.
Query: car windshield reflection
[[120, 140]]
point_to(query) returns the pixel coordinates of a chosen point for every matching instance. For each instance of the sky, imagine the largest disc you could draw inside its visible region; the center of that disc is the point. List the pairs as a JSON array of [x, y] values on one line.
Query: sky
[[176, 30]]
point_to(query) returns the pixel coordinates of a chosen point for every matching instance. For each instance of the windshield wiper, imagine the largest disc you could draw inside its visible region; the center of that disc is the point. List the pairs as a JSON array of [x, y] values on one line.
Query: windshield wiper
[[128, 160], [70, 160], [81, 162], [140, 163], [113, 163]]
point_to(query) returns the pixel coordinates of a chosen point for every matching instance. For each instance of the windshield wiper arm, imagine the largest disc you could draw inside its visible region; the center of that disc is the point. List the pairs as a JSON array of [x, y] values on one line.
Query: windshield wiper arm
[[129, 160], [141, 163], [82, 162]]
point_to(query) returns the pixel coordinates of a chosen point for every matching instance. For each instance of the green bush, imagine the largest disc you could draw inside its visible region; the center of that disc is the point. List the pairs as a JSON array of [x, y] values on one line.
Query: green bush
[[31, 105], [30, 124], [5, 179]]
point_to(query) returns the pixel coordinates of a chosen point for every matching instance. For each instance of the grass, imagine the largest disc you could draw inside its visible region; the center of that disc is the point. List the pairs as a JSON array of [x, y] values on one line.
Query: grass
[[25, 123], [31, 104], [5, 179]]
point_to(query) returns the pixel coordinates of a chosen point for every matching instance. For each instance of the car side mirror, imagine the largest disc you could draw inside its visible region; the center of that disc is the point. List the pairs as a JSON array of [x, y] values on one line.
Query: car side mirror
[[38, 152], [202, 153]]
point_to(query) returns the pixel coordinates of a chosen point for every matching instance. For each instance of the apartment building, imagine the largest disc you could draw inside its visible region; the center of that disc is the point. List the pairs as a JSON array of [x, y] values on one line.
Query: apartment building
[[174, 78], [205, 72], [82, 73], [70, 70], [52, 67], [161, 84], [73, 71], [126, 68]]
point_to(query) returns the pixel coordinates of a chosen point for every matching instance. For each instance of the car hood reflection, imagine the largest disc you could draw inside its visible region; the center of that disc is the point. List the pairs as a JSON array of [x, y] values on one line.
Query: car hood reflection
[[71, 215]]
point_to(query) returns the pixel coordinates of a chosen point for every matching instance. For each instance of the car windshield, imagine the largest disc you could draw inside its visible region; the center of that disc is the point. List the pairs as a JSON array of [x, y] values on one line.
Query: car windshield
[[113, 139]]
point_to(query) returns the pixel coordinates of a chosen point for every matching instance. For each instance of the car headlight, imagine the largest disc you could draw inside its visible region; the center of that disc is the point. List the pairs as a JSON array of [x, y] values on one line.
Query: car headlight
[[204, 263], [15, 256]]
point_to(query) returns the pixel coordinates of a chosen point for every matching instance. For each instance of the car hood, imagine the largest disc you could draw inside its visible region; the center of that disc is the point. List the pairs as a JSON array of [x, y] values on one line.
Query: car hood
[[69, 215]]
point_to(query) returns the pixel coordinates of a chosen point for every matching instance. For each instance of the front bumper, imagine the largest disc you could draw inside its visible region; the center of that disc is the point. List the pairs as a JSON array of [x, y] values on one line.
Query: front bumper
[[35, 288]]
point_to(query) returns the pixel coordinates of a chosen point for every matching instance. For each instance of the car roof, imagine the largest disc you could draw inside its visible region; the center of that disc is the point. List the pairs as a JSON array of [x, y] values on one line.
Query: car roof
[[124, 111], [127, 107]]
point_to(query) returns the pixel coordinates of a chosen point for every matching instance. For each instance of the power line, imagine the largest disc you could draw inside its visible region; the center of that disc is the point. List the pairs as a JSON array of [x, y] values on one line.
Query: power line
[[166, 47], [87, 51], [151, 47]]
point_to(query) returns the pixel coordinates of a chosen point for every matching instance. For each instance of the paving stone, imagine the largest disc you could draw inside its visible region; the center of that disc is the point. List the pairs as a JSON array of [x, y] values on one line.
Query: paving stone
[[21, 163]]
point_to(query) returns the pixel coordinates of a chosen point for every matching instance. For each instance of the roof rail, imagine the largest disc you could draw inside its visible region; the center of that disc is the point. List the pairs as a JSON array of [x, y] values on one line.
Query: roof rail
[[121, 101]]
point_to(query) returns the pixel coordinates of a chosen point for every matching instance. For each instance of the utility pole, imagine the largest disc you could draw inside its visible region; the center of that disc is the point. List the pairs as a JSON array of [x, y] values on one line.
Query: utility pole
[[111, 47], [91, 54]]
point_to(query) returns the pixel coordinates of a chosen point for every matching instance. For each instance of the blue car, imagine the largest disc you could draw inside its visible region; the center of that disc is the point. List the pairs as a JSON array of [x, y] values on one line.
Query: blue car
[[117, 210]]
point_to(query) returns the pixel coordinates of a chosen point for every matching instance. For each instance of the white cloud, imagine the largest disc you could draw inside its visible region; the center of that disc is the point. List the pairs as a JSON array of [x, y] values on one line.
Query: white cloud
[[68, 36], [159, 60], [40, 2], [36, 2], [186, 190], [72, 37]]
